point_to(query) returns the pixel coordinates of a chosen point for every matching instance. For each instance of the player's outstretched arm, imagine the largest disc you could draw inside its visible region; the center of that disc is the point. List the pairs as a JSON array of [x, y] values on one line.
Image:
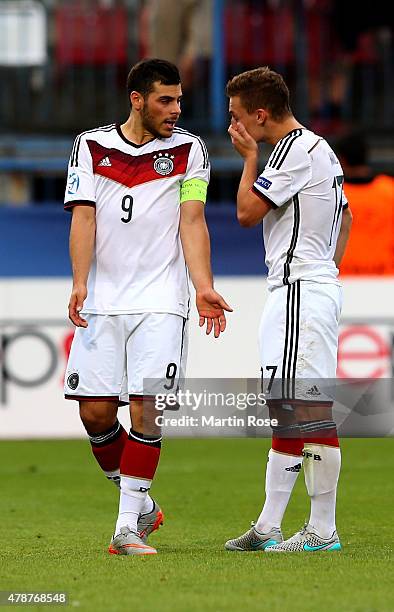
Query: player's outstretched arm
[[250, 208], [82, 238], [196, 248], [343, 236]]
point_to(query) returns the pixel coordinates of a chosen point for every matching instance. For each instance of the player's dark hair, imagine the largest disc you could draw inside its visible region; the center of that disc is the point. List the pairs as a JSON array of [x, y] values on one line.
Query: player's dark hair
[[261, 88], [143, 75], [352, 148]]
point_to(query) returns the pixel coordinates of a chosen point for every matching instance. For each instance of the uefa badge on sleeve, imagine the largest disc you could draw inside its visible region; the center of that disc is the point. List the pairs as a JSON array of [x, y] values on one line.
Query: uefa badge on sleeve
[[72, 183], [163, 163], [264, 182]]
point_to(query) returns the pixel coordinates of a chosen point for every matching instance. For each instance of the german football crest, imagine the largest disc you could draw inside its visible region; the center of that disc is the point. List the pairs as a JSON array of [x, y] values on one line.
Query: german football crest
[[163, 163], [73, 381]]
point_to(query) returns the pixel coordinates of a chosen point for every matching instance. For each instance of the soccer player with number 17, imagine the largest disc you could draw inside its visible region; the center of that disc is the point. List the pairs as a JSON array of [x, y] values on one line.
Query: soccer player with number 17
[[137, 194], [306, 221]]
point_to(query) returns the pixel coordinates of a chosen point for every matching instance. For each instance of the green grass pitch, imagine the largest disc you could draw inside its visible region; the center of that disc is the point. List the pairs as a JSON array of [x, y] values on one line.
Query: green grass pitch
[[57, 513]]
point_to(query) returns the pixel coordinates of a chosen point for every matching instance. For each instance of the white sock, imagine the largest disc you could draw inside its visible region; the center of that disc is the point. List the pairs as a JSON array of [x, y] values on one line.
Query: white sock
[[281, 475], [148, 505], [322, 516], [114, 476], [322, 465], [133, 493]]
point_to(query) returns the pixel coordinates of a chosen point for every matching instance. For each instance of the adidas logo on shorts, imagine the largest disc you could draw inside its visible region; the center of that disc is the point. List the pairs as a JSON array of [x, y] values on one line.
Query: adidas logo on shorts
[[313, 391]]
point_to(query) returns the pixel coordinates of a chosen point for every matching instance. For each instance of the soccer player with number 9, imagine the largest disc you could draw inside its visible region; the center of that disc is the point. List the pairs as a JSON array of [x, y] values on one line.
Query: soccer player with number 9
[[137, 193]]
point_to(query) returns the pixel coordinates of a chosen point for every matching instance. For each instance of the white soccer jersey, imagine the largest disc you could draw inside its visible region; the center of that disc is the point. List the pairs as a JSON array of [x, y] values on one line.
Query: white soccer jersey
[[303, 180], [138, 263]]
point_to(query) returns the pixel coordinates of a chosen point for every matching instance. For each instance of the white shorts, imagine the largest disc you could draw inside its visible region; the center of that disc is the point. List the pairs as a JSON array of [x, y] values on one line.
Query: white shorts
[[111, 358], [298, 340]]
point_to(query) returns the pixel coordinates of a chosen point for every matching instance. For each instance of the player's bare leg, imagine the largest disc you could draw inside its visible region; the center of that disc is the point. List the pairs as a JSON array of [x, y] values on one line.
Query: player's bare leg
[[107, 436]]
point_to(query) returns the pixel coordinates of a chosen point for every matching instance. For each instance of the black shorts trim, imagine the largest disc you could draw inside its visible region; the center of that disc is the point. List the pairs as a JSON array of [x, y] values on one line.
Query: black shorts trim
[[96, 398], [299, 402], [141, 397]]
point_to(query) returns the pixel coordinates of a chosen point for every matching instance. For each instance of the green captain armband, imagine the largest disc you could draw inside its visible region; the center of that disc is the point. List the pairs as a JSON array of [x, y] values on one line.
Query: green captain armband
[[194, 189]]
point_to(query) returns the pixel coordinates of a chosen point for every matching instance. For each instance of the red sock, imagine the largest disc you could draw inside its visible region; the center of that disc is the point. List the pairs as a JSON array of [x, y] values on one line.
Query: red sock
[[290, 446], [286, 439], [140, 456], [108, 446]]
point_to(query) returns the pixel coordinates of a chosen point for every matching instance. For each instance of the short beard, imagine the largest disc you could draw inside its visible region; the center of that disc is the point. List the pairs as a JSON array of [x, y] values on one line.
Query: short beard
[[147, 122]]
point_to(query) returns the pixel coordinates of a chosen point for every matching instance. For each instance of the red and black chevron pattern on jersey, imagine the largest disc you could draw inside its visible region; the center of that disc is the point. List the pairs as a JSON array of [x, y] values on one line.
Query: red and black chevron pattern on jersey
[[132, 170]]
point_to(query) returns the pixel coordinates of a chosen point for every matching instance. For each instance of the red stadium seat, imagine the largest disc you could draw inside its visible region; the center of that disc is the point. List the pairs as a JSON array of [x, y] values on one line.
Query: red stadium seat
[[90, 35], [258, 35]]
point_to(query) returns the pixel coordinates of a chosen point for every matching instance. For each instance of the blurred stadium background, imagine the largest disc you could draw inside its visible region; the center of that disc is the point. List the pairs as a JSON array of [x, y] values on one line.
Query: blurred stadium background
[[63, 66]]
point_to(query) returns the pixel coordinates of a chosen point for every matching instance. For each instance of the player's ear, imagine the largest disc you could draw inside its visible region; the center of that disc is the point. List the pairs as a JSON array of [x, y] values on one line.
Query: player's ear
[[137, 101], [261, 116]]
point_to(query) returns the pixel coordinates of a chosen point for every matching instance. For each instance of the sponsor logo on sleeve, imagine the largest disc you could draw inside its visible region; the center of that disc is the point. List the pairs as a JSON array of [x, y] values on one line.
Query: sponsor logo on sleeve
[[72, 183], [263, 182]]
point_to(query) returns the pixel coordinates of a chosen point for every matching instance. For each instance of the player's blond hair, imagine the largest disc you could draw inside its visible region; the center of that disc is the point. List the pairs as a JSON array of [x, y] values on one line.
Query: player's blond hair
[[261, 88]]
